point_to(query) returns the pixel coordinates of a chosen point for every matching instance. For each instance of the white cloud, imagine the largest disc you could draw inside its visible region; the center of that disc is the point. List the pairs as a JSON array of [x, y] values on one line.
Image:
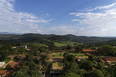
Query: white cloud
[[103, 7], [98, 22], [38, 30], [11, 19], [47, 14], [61, 30], [72, 13]]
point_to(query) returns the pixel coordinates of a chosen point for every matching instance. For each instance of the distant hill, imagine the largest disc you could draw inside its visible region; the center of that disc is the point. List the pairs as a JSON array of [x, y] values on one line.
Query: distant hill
[[86, 39], [7, 33], [54, 38]]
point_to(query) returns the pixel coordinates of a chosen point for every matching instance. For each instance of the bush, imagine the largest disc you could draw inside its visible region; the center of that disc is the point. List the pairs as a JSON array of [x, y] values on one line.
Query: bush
[[16, 59], [7, 60], [54, 61], [60, 65], [8, 67]]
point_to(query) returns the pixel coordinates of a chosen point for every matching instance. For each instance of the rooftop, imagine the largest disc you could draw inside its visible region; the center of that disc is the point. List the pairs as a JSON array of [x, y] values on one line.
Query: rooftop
[[102, 60], [2, 72], [110, 58], [87, 50]]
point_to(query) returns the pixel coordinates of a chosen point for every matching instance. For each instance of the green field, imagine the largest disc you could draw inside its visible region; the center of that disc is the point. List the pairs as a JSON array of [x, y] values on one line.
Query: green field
[[60, 54], [60, 65], [65, 43], [59, 44]]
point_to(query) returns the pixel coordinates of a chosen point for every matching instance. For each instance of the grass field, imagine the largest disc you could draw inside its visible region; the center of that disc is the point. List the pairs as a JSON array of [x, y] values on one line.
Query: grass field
[[60, 54], [65, 43], [59, 44], [60, 65], [35, 44], [57, 66]]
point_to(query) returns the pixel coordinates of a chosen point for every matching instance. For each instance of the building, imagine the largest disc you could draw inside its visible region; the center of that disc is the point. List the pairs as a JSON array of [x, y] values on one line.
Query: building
[[82, 58], [3, 73], [23, 46], [103, 61], [14, 47], [87, 51], [110, 60], [2, 64]]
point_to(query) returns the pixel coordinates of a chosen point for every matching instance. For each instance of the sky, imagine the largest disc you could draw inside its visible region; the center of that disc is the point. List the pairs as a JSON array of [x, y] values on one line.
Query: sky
[[61, 17]]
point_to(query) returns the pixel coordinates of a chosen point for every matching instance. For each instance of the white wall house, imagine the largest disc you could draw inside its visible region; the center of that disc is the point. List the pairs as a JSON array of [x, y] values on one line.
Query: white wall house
[[2, 64], [23, 46]]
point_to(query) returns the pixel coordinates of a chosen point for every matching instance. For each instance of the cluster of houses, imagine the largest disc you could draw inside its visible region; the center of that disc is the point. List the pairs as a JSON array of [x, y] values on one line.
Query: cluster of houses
[[21, 46], [108, 61]]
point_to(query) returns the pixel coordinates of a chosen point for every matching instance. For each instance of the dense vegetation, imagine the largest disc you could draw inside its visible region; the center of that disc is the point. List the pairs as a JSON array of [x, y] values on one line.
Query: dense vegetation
[[87, 68], [35, 59]]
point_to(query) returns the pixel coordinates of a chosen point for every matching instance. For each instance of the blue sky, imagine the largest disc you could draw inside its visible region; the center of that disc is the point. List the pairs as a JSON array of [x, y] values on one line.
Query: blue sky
[[78, 17]]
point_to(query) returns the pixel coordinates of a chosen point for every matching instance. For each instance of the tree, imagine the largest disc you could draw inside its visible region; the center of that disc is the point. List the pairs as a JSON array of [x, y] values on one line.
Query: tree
[[72, 67], [29, 58], [36, 60], [86, 64], [100, 65], [8, 67], [66, 54], [78, 49], [71, 74], [69, 47], [41, 49], [27, 73], [96, 73], [108, 50], [51, 47], [3, 55], [71, 58], [91, 58], [22, 50]]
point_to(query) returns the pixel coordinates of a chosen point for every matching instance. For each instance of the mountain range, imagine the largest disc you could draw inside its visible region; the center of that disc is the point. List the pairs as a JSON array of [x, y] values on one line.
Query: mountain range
[[14, 37]]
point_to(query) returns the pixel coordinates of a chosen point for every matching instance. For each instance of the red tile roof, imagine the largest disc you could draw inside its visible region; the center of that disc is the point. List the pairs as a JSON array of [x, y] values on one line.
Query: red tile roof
[[2, 72], [8, 74], [87, 50], [102, 60], [71, 50], [110, 58]]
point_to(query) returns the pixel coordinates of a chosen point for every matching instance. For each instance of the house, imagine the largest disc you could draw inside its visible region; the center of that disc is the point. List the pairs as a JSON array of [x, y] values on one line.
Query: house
[[9, 73], [23, 46], [87, 51], [103, 61], [82, 58], [2, 64], [3, 73], [61, 50], [71, 50], [14, 47], [110, 60]]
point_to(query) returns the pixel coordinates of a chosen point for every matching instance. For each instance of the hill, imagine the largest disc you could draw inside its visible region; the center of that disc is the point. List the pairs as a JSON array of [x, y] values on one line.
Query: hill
[[86, 39], [58, 40]]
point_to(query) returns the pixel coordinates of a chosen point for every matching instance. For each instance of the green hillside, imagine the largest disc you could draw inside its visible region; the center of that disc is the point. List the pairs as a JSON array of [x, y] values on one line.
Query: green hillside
[[57, 40]]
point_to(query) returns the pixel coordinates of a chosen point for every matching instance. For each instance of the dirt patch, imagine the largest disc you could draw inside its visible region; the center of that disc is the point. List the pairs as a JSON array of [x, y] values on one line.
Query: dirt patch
[[13, 64]]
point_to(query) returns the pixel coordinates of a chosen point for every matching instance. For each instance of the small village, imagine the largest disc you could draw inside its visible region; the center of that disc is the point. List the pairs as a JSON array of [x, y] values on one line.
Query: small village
[[54, 61]]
